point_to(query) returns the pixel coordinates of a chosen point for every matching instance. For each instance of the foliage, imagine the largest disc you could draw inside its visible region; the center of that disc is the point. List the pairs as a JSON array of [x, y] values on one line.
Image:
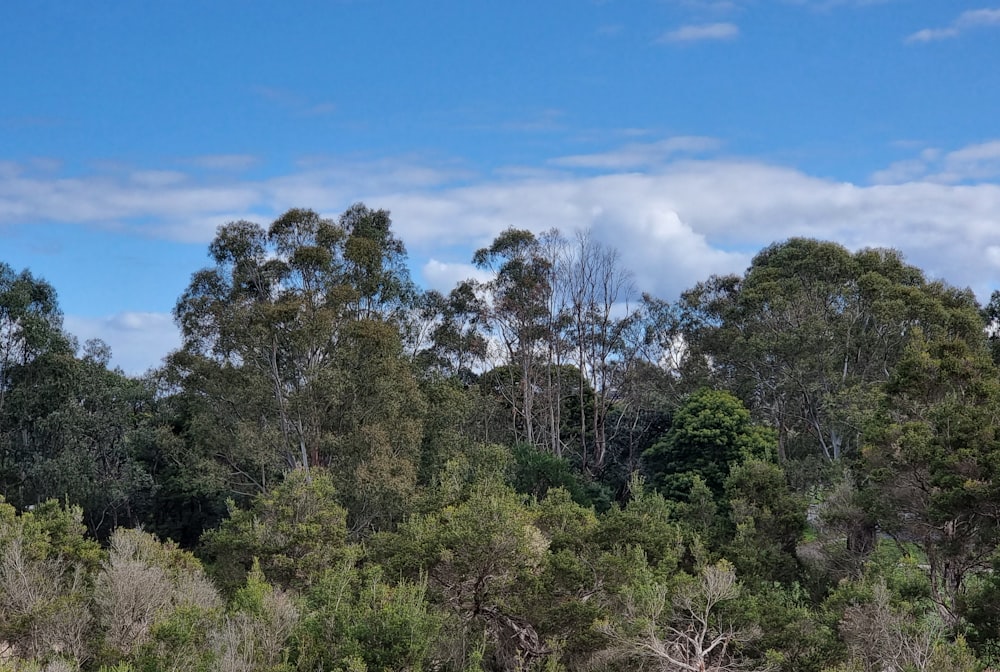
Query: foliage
[[379, 479], [475, 555], [44, 587], [932, 462], [710, 432], [769, 521], [355, 616], [294, 532]]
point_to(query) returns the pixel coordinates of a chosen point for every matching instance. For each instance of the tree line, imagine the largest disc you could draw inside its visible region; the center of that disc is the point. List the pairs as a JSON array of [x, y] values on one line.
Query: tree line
[[788, 469]]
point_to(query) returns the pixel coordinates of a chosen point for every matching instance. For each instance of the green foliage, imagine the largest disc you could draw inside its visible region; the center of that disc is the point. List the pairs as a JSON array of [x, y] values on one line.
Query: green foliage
[[479, 466], [326, 403], [295, 532], [710, 432], [179, 642], [535, 472], [449, 409], [292, 357], [476, 556], [562, 601], [933, 459], [355, 618], [795, 635], [769, 521], [646, 522], [811, 331]]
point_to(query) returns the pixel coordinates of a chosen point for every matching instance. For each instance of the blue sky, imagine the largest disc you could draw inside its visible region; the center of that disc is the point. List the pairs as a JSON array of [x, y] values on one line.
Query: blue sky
[[688, 133]]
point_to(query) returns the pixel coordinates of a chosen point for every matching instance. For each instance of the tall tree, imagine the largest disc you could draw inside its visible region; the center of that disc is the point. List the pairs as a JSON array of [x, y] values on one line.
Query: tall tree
[[597, 286], [808, 334], [932, 462], [292, 346], [517, 314]]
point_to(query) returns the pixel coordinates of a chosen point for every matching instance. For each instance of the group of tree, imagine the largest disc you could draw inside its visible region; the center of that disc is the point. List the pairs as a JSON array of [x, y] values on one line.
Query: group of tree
[[792, 469]]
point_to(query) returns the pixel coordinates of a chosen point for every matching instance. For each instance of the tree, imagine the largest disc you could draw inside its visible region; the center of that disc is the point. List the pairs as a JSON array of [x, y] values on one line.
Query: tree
[[143, 583], [292, 357], [88, 428], [768, 519], [710, 433], [517, 313], [30, 327], [931, 462], [476, 554], [293, 533], [806, 336], [45, 591], [457, 347], [596, 286], [682, 629], [30, 322], [355, 618]]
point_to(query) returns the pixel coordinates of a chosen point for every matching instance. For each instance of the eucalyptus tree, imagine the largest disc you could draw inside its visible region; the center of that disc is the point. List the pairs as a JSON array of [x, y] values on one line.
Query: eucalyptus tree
[[456, 346], [30, 322], [302, 322], [599, 290], [517, 316], [70, 428]]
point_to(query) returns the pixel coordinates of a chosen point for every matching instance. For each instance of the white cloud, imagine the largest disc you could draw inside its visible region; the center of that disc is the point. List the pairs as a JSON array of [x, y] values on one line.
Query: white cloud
[[674, 221], [700, 33], [978, 17], [932, 35], [444, 275], [975, 18], [974, 163], [136, 338]]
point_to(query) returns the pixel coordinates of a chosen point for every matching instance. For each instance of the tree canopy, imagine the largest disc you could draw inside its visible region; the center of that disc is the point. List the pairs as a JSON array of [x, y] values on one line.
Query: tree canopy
[[792, 470]]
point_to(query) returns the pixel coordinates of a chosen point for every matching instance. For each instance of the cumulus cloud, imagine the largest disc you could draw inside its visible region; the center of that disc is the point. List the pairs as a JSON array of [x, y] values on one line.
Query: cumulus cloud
[[974, 18], [136, 338], [694, 218], [701, 33], [674, 218], [444, 275]]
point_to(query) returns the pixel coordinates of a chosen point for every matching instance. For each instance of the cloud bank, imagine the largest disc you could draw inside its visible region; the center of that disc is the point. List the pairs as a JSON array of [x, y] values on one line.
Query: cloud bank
[[676, 212]]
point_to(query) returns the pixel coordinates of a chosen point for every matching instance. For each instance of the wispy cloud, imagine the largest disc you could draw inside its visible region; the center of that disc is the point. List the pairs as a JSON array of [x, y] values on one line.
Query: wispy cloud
[[294, 102], [543, 121], [716, 6], [640, 154], [974, 18], [833, 4], [700, 33], [971, 164], [225, 162]]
